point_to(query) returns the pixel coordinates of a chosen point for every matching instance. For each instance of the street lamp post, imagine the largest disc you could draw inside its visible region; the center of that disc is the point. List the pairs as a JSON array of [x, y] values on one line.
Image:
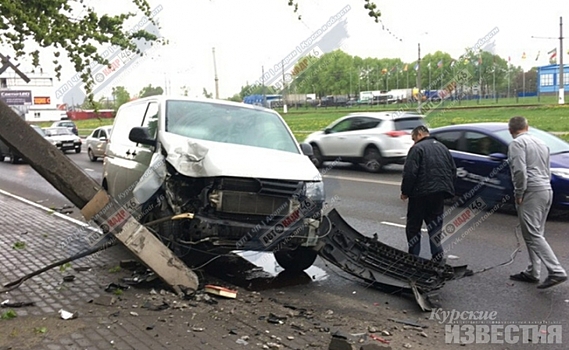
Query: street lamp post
[[419, 95], [561, 75]]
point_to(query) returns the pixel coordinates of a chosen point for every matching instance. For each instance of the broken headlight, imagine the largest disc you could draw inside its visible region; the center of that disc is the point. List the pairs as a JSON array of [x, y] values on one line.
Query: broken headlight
[[314, 191]]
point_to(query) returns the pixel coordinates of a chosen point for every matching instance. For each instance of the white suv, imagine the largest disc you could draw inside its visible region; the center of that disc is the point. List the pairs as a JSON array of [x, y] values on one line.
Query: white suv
[[232, 175], [371, 139]]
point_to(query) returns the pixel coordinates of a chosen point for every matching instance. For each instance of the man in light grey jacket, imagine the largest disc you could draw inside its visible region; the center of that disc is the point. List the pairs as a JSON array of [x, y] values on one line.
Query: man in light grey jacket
[[528, 158]]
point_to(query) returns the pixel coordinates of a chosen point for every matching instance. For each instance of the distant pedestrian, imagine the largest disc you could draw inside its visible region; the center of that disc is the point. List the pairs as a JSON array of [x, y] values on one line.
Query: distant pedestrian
[[528, 158], [428, 179]]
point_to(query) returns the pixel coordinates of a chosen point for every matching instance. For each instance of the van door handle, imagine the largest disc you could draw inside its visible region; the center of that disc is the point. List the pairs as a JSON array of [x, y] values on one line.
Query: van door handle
[[134, 153], [128, 153]]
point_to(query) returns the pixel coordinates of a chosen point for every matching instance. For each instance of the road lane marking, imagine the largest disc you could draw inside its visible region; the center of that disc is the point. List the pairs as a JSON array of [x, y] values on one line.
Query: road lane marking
[[392, 183], [399, 225], [89, 169]]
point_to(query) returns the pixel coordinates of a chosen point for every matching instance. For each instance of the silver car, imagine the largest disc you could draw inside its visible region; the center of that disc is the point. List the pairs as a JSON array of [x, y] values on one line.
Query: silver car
[[63, 138], [96, 143], [371, 139]]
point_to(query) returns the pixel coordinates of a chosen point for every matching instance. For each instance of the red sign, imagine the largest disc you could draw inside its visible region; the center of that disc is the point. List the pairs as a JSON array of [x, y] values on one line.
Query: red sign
[[42, 100]]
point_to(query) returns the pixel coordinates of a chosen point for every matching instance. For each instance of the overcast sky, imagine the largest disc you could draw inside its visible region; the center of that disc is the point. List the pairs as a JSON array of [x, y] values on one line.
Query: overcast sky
[[249, 34]]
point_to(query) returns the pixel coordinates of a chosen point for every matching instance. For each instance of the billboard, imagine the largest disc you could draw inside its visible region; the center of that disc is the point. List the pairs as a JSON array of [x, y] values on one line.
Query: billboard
[[16, 97]]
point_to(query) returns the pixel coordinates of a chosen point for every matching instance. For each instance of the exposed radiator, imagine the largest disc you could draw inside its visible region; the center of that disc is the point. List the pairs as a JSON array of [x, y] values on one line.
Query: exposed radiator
[[252, 204]]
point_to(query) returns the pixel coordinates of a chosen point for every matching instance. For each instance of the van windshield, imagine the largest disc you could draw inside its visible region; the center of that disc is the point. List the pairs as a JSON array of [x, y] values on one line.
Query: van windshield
[[228, 124]]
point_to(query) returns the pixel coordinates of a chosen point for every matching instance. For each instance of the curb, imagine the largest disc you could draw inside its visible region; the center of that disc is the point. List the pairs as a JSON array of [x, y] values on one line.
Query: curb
[[51, 211]]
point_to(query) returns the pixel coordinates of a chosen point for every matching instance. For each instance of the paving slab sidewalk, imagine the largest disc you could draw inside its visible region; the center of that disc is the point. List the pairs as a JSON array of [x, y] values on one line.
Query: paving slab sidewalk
[[149, 316]]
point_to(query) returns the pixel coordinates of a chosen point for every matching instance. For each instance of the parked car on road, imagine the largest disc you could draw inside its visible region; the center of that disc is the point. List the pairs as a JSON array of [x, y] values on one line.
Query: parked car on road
[[63, 138], [67, 124], [235, 167], [96, 142], [371, 139], [480, 153], [14, 156]]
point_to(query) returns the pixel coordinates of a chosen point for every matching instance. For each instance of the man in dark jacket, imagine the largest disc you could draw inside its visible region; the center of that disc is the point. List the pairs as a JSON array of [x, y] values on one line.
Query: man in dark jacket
[[428, 178]]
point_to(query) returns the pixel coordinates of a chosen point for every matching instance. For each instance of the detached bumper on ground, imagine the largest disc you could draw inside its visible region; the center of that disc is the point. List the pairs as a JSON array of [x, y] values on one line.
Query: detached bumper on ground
[[380, 264]]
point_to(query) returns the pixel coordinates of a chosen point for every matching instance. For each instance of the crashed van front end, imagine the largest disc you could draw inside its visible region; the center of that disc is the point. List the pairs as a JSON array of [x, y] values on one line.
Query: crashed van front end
[[242, 185]]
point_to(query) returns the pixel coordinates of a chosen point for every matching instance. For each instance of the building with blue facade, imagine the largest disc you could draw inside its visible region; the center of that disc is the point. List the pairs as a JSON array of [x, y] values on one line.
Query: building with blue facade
[[548, 78]]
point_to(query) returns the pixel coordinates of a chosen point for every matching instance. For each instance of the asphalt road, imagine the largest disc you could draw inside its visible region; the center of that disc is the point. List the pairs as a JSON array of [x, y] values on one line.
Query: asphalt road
[[370, 203]]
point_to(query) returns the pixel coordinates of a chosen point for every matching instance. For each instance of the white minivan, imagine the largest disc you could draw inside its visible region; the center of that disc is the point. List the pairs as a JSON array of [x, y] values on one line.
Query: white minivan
[[211, 176]]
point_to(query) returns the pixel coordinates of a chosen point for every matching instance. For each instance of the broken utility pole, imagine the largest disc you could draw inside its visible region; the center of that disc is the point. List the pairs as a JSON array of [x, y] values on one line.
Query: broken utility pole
[[96, 204]]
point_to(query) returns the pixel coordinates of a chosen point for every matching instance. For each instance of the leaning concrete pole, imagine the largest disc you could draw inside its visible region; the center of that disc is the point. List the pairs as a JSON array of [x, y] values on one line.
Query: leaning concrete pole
[[94, 202]]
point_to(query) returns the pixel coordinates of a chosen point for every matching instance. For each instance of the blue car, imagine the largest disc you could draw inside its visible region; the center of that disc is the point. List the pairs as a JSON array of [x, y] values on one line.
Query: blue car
[[480, 153]]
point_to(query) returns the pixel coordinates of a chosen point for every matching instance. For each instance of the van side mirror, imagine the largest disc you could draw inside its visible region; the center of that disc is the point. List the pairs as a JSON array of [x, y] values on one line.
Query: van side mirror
[[141, 135], [327, 131], [306, 149]]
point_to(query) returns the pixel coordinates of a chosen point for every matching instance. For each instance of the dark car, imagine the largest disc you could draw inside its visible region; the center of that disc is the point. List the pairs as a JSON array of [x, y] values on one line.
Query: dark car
[[480, 151], [67, 124], [13, 155]]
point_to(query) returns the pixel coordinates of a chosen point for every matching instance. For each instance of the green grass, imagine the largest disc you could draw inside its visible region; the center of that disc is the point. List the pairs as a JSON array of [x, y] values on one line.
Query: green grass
[[302, 121], [84, 127]]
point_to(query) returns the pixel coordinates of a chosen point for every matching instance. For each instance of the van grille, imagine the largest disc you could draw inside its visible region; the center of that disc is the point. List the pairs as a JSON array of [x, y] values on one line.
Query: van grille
[[253, 204], [268, 187]]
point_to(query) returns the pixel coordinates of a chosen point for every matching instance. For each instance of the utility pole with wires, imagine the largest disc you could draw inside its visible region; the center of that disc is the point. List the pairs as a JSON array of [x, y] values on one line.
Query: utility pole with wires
[[216, 79], [561, 78], [284, 89]]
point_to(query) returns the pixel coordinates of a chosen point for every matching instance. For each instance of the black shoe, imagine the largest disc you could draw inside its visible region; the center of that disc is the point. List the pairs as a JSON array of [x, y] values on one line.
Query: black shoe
[[524, 277], [550, 281]]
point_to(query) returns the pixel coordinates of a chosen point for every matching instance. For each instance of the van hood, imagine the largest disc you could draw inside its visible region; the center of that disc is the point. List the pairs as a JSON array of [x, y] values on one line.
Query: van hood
[[200, 158]]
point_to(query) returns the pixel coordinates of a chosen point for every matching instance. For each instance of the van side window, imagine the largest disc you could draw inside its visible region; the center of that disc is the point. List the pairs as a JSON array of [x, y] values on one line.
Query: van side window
[[127, 118]]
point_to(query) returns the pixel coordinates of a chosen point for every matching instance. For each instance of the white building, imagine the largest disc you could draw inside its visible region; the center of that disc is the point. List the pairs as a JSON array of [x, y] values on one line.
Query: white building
[[34, 101]]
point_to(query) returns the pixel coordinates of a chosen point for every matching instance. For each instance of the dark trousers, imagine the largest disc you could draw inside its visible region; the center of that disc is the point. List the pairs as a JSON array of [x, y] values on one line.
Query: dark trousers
[[428, 209]]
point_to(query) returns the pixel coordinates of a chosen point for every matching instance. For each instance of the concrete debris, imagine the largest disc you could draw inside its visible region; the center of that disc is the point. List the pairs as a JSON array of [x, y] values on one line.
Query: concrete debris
[[68, 278], [153, 307], [66, 315], [241, 342], [374, 346], [340, 343], [111, 287], [16, 304], [104, 300]]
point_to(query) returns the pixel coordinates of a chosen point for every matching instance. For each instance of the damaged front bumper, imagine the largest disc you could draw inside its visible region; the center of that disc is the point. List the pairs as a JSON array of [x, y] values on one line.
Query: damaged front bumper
[[380, 264]]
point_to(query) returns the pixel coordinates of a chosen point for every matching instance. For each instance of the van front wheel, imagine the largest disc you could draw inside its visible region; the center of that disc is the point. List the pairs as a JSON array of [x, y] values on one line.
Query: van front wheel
[[298, 259]]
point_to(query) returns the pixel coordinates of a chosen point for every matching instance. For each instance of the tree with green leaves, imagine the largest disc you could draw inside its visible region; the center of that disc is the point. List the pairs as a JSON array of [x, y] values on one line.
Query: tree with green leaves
[[120, 95], [71, 28], [207, 94], [150, 91], [76, 30]]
